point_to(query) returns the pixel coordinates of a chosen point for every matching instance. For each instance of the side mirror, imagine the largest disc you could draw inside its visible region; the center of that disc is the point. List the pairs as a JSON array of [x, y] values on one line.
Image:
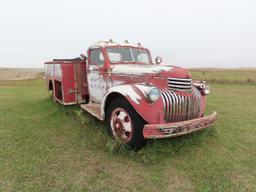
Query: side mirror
[[158, 60], [83, 57]]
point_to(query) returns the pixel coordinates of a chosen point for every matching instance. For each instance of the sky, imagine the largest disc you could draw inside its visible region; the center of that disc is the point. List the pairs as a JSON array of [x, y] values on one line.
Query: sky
[[198, 33]]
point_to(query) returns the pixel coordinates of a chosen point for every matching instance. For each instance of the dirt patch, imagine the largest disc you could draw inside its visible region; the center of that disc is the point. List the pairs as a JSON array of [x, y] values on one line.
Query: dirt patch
[[20, 74]]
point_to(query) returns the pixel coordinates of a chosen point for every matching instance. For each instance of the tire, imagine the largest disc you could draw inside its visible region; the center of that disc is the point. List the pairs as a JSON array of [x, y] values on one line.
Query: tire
[[124, 123], [60, 93], [51, 95]]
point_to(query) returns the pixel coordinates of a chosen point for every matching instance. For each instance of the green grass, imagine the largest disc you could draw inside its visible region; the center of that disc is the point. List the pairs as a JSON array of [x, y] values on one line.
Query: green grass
[[47, 147]]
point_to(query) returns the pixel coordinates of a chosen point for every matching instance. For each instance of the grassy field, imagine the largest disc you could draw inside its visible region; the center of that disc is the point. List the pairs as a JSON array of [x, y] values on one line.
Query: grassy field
[[19, 74], [47, 147], [244, 75]]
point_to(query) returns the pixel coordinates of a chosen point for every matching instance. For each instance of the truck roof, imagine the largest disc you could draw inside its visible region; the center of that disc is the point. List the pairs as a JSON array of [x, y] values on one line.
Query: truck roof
[[98, 44], [111, 43]]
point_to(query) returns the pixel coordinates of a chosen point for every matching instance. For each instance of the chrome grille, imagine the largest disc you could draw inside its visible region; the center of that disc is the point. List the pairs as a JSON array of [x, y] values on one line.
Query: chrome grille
[[178, 84], [180, 108]]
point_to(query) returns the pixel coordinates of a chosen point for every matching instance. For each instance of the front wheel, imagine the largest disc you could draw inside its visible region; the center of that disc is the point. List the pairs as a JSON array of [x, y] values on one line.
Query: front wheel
[[125, 124]]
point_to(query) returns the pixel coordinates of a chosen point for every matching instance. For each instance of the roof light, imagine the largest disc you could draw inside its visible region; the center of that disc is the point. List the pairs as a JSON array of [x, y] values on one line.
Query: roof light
[[126, 41], [139, 44], [110, 41]]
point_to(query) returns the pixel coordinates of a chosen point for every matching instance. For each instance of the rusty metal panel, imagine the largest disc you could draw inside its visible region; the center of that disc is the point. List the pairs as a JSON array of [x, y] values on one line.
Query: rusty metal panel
[[94, 109], [151, 131]]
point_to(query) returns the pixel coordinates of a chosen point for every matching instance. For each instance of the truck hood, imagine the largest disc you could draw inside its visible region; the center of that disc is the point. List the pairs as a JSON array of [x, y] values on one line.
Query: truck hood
[[142, 69]]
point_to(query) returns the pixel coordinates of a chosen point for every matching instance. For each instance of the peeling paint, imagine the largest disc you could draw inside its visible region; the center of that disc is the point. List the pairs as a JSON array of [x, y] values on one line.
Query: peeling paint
[[125, 90], [139, 69], [144, 88], [97, 86]]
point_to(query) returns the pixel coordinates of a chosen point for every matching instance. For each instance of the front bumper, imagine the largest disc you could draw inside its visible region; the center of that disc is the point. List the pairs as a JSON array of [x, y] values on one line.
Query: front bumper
[[152, 131]]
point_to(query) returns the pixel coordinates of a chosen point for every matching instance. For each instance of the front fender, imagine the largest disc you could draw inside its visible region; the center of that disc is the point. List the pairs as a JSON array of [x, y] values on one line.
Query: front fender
[[135, 95]]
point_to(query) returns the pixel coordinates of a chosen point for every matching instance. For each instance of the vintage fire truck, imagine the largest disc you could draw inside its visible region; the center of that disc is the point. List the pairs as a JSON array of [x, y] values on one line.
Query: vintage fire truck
[[118, 83]]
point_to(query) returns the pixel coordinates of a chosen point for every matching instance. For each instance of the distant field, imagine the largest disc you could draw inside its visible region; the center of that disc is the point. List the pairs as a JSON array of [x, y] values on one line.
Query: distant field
[[19, 74], [47, 147], [245, 75]]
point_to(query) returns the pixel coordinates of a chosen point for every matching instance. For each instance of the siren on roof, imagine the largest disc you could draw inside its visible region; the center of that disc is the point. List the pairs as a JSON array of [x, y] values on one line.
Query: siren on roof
[[110, 41], [126, 41], [139, 44]]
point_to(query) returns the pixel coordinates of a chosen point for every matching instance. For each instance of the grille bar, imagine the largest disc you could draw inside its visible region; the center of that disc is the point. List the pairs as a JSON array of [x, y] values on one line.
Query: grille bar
[[179, 79], [179, 84], [181, 108]]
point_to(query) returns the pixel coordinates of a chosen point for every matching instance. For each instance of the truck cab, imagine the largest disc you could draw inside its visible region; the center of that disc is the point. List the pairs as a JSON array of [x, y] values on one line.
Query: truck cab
[[140, 99]]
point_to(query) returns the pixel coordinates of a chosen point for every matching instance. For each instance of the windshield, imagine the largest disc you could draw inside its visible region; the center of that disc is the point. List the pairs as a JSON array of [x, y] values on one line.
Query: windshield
[[128, 54]]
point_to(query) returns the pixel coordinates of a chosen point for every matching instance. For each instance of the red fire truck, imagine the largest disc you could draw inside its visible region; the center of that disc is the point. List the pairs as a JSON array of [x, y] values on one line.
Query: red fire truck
[[139, 100]]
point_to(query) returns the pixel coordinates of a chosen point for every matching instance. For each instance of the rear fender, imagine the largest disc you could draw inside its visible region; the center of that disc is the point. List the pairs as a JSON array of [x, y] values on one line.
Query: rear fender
[[136, 96]]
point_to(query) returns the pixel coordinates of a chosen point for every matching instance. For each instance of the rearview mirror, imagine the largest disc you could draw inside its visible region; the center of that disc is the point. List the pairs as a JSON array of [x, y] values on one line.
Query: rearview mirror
[[83, 57], [158, 60]]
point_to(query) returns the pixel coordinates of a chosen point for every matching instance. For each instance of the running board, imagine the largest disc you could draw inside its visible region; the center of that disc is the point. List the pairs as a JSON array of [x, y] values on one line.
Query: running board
[[94, 109]]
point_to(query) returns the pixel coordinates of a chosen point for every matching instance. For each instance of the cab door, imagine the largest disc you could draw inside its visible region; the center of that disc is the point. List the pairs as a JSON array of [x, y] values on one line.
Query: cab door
[[97, 83]]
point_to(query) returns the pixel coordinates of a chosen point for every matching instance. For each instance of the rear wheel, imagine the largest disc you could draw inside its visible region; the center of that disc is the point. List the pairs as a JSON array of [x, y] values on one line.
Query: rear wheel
[[50, 89], [58, 90], [125, 124]]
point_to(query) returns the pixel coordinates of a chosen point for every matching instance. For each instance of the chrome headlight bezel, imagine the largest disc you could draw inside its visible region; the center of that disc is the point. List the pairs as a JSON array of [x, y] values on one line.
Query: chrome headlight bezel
[[202, 86], [153, 94], [206, 90]]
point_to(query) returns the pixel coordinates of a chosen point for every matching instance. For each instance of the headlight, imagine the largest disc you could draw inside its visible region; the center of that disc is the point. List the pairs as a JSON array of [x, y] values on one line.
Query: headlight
[[202, 86], [153, 95], [206, 90]]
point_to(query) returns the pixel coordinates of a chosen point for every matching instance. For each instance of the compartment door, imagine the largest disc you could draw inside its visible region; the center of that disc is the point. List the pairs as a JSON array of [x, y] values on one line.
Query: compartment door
[[68, 84]]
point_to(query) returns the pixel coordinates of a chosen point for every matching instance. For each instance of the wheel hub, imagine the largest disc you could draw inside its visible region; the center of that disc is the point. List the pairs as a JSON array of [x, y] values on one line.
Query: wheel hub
[[121, 124]]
